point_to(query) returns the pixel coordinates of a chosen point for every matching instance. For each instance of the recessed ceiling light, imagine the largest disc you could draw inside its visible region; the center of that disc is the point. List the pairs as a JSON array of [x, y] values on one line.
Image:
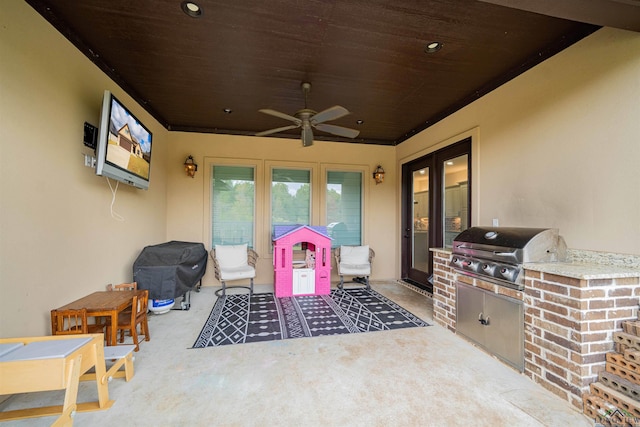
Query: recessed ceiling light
[[359, 121], [433, 47], [450, 163], [227, 110], [191, 9]]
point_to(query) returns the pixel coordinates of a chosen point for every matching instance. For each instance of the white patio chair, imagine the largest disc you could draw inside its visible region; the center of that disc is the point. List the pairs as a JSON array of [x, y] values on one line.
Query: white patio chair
[[234, 262], [354, 261]]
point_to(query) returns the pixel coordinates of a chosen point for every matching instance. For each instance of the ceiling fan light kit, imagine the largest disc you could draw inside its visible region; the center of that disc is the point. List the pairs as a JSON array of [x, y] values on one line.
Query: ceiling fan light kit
[[308, 119]]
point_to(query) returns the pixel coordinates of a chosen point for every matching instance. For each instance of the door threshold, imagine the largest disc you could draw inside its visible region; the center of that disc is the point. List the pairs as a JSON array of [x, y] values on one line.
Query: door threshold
[[417, 286]]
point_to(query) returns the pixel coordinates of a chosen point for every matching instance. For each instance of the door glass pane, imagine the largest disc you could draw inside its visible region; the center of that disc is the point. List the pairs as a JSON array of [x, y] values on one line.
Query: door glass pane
[[233, 205], [344, 208], [420, 229], [455, 204]]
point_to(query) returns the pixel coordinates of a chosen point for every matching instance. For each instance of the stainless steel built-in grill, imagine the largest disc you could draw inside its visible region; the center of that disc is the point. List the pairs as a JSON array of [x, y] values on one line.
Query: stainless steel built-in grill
[[497, 254], [490, 319]]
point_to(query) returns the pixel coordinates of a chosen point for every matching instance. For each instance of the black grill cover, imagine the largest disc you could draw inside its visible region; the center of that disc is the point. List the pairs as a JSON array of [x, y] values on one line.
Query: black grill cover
[[171, 269]]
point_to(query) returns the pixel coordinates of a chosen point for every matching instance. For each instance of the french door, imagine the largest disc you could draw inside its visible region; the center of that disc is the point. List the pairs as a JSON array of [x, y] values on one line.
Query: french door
[[435, 207]]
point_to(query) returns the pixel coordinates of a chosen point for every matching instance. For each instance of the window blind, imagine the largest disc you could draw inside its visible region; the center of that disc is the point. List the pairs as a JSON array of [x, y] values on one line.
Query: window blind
[[233, 205], [344, 208]]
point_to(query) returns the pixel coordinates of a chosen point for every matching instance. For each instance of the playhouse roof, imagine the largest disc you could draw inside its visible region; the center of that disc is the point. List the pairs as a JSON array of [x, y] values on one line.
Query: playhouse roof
[[280, 231]]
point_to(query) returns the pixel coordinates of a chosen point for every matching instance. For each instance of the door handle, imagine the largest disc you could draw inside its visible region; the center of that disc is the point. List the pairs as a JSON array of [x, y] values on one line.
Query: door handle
[[483, 321]]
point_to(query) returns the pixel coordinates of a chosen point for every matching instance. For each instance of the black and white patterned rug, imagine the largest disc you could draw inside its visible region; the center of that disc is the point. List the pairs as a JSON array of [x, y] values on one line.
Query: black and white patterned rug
[[238, 319]]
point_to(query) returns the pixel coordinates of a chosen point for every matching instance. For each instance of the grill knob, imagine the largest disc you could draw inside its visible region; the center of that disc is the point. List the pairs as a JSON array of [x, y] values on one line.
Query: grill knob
[[507, 273]]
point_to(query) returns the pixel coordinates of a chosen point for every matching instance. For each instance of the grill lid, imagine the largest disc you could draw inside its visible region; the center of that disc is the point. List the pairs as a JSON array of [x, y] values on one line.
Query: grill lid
[[511, 244], [509, 237], [497, 253]]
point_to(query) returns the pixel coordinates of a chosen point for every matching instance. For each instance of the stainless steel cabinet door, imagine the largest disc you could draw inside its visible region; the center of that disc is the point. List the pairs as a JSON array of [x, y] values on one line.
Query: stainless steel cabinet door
[[505, 329], [494, 322], [469, 309]]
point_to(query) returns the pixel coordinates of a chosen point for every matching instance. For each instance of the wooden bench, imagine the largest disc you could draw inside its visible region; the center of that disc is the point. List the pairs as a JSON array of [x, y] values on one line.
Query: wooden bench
[[122, 356]]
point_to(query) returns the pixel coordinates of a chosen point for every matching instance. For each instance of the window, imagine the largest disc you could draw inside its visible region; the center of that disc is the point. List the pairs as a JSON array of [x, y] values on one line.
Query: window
[[247, 198], [344, 207], [233, 205], [290, 197]]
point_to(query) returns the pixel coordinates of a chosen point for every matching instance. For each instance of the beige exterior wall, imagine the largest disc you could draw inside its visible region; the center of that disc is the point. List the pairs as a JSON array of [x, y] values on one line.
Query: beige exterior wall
[[558, 146], [566, 133], [188, 200], [58, 241]]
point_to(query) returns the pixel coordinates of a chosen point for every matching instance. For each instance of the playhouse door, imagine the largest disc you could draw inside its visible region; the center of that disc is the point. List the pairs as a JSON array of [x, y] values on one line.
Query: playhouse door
[[304, 281]]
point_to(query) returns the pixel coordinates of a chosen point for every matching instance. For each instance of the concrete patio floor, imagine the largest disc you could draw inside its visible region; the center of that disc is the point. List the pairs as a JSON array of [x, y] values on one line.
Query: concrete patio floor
[[410, 377]]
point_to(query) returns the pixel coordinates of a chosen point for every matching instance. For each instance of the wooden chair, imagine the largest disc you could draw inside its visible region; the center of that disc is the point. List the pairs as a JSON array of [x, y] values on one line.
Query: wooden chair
[[137, 316], [69, 322], [73, 322], [133, 286]]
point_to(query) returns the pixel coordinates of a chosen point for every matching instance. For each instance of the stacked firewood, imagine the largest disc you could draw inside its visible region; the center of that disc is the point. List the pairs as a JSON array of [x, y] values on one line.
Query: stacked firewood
[[614, 400]]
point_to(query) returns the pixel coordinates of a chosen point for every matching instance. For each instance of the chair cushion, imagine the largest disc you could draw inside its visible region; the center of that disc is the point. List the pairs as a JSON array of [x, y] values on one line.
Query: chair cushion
[[354, 254], [354, 269], [231, 256], [236, 273]]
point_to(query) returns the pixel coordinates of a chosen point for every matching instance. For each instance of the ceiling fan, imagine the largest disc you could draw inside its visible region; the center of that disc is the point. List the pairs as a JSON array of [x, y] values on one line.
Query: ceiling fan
[[308, 119]]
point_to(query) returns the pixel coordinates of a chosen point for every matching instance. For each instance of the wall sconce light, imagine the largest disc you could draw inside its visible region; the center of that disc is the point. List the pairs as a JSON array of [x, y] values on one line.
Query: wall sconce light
[[378, 175], [190, 166]]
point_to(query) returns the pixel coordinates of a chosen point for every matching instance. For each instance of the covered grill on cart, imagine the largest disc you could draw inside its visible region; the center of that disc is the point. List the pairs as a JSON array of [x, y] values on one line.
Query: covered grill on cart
[[171, 270]]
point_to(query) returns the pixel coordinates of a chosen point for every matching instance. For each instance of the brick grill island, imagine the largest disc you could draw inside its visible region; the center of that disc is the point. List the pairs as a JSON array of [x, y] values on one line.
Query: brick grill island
[[571, 312]]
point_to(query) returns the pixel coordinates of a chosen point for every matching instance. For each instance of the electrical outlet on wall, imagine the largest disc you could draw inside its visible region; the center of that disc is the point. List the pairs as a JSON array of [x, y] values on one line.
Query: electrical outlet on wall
[[89, 161], [495, 222]]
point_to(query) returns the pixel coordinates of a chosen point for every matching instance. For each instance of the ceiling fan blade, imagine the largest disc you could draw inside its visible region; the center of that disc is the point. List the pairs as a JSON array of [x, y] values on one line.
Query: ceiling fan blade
[[307, 136], [276, 130], [338, 130], [281, 115], [330, 113]]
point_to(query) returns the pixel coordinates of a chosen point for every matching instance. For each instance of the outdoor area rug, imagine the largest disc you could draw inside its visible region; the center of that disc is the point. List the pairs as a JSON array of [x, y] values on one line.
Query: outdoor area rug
[[239, 319]]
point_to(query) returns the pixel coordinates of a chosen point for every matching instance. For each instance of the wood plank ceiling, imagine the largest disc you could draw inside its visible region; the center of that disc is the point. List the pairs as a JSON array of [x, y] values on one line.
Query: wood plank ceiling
[[366, 55]]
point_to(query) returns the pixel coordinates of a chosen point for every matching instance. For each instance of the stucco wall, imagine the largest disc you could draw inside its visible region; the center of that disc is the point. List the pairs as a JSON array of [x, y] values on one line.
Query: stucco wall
[[559, 146], [58, 241], [187, 201]]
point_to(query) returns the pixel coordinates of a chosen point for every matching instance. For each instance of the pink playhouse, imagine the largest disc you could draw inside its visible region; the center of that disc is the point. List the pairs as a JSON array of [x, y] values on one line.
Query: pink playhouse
[[305, 272]]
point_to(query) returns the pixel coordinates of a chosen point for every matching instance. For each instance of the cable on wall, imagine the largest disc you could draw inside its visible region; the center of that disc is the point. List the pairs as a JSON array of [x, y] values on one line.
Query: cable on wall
[[115, 215]]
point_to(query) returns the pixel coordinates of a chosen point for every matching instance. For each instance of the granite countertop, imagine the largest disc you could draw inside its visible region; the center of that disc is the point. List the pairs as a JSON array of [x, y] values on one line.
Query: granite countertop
[[585, 265], [585, 271]]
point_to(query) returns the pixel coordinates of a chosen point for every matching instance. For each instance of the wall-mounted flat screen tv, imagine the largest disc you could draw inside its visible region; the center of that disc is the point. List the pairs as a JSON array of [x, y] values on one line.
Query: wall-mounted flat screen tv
[[123, 151]]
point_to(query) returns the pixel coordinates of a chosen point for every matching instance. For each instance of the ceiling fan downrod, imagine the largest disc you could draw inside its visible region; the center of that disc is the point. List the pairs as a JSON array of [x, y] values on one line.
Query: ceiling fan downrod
[[306, 88]]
